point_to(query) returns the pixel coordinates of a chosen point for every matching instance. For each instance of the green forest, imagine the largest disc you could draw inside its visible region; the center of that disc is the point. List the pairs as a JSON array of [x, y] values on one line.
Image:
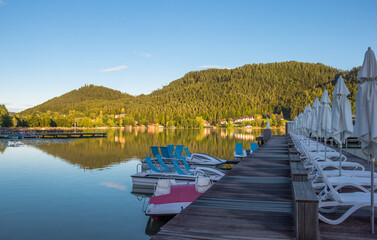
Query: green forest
[[210, 95]]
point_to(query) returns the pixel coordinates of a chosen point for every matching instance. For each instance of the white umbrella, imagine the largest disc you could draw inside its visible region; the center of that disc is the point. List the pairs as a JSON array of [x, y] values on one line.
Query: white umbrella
[[341, 118], [300, 122], [268, 124], [303, 120], [325, 117], [303, 129], [314, 120], [318, 125], [366, 114], [308, 119], [308, 113]]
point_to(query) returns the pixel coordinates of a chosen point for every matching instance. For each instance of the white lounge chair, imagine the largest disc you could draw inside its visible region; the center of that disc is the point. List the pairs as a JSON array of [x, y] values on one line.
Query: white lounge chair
[[330, 197], [349, 173], [341, 181]]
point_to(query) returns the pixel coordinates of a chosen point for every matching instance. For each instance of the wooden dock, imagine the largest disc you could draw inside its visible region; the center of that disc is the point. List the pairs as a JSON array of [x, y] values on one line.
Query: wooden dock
[[253, 201], [71, 135], [266, 196]]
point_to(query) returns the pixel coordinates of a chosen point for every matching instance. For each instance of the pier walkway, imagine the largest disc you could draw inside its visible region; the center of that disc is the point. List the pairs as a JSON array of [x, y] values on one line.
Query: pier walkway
[[253, 201]]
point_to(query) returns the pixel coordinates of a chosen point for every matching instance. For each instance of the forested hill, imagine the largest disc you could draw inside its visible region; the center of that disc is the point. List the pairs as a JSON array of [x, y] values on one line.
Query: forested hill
[[213, 94], [88, 99]]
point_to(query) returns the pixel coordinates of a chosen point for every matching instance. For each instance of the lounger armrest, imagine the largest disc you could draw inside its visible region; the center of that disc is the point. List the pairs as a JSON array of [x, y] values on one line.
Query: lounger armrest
[[351, 185]]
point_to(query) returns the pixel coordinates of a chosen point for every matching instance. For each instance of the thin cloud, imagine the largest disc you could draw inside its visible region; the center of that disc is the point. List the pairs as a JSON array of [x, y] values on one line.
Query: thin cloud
[[119, 68], [143, 54], [17, 107], [114, 185], [212, 66]]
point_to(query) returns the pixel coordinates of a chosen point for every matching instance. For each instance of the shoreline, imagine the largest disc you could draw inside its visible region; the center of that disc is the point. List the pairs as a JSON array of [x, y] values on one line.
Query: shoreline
[[128, 127]]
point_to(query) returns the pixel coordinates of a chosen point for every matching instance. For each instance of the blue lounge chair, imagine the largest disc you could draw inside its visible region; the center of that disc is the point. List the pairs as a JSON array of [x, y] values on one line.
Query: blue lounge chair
[[165, 152], [179, 149], [253, 147], [187, 152], [148, 160], [178, 168], [162, 164], [183, 159], [179, 152], [239, 153], [155, 151], [171, 149], [187, 166]]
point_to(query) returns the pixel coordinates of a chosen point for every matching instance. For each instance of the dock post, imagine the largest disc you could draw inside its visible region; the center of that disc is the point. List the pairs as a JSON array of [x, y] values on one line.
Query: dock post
[[306, 211]]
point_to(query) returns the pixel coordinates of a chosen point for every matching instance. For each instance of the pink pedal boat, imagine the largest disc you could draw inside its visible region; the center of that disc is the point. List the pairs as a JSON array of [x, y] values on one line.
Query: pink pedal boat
[[171, 198]]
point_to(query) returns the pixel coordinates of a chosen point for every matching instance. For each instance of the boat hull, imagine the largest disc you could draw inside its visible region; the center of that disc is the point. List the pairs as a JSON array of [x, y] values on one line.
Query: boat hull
[[172, 202], [168, 209], [205, 159], [149, 180]]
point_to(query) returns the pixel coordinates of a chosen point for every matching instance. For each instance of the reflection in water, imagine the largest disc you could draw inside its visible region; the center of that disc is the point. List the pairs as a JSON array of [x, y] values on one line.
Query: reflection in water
[[114, 185], [153, 227], [42, 197], [122, 145], [142, 192]]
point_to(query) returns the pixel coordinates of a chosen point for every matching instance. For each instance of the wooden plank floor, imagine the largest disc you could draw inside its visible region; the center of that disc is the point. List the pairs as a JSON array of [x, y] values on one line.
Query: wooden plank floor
[[253, 201]]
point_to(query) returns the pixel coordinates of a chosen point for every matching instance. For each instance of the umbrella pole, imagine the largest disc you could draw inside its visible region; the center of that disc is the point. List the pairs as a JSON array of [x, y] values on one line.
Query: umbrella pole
[[309, 140], [325, 147], [340, 159], [317, 143], [372, 193]]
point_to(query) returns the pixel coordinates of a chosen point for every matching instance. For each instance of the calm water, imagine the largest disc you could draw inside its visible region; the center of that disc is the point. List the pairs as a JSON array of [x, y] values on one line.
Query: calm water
[[81, 189]]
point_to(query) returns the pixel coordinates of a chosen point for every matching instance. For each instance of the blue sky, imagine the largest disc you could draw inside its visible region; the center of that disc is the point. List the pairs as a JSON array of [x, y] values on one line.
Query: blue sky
[[48, 48]]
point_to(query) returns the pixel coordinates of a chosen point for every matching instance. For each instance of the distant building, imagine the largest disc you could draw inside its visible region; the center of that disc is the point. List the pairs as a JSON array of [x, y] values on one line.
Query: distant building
[[122, 115], [206, 123], [223, 121], [243, 119]]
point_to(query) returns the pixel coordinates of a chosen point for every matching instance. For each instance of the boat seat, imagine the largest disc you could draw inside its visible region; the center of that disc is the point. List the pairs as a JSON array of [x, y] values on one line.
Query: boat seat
[[163, 187], [202, 184]]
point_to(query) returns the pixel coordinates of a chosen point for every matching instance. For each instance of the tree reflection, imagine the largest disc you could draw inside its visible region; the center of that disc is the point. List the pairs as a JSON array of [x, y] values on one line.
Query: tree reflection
[[122, 145]]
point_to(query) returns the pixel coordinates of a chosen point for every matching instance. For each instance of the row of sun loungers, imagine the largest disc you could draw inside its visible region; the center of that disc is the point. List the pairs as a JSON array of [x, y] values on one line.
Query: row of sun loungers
[[338, 183]]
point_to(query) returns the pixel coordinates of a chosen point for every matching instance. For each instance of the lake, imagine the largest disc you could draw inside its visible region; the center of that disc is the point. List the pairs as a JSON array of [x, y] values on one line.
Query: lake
[[81, 188]]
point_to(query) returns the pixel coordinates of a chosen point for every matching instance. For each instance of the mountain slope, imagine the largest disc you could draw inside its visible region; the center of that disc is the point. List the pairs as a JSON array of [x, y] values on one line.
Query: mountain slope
[[85, 99], [250, 89]]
